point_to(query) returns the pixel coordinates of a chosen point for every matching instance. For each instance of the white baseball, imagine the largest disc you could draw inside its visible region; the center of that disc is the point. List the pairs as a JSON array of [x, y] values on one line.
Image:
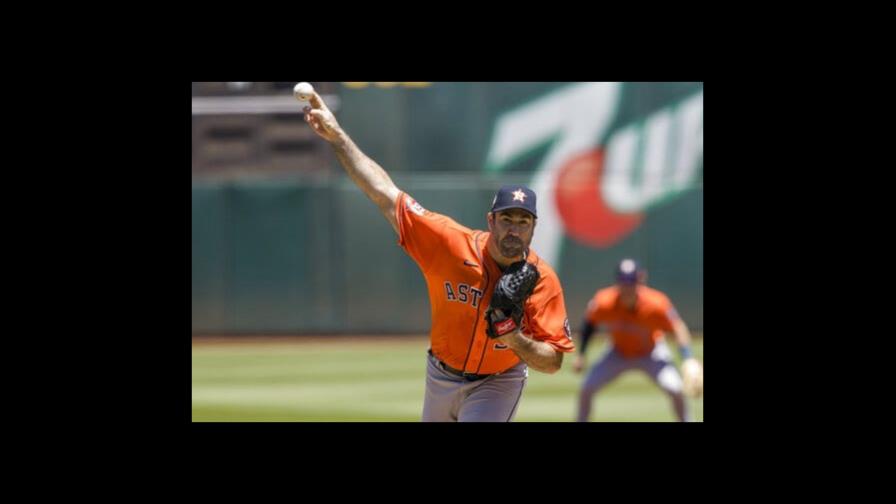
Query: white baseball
[[303, 91]]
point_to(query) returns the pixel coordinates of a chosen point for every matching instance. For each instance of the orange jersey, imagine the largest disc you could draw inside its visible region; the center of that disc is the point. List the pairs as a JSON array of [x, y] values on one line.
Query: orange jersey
[[634, 332], [460, 277]]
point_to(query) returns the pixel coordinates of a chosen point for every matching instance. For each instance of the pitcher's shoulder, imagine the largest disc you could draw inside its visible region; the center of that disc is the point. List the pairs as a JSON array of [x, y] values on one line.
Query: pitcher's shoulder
[[544, 269]]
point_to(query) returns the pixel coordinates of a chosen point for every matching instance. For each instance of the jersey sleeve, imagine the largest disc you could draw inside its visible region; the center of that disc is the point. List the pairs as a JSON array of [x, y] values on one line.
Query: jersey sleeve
[[546, 315], [666, 315], [593, 313], [420, 232]]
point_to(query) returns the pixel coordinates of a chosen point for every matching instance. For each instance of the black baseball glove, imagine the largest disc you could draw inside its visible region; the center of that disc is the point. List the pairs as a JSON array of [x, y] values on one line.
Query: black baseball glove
[[505, 311]]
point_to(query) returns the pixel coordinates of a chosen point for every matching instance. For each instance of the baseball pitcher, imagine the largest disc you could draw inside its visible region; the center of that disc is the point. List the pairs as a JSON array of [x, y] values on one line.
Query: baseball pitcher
[[497, 308]]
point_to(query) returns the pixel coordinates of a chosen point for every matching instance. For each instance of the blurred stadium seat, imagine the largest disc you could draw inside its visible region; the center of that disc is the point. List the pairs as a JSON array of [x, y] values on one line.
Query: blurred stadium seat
[[246, 128]]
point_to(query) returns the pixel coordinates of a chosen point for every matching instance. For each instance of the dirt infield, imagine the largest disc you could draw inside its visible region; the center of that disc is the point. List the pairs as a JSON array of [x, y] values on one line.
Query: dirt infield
[[336, 339]]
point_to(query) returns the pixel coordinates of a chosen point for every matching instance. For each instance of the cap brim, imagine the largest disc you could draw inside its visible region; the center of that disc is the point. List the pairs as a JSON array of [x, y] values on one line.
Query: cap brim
[[509, 207]]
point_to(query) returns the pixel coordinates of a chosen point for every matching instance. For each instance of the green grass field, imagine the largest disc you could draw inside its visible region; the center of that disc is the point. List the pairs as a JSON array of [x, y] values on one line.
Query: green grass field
[[379, 380]]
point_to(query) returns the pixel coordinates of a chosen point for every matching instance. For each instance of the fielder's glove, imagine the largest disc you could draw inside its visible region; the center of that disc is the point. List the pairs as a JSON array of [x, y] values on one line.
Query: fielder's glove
[[505, 311], [692, 375]]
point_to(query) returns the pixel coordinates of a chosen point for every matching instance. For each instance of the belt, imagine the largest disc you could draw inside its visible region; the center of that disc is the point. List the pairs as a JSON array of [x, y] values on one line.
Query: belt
[[456, 372]]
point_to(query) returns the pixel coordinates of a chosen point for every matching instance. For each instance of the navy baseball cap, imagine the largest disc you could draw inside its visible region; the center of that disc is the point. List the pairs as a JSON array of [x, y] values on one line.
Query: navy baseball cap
[[627, 271], [515, 196]]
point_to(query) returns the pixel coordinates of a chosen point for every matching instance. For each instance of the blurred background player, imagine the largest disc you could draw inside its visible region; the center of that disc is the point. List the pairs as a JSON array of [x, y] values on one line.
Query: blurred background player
[[637, 317]]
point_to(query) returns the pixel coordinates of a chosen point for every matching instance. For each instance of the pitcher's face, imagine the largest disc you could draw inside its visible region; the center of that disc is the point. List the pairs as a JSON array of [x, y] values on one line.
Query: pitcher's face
[[512, 231]]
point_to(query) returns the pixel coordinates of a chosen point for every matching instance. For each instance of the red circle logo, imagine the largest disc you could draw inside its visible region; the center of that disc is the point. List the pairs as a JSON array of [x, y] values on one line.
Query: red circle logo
[[586, 216]]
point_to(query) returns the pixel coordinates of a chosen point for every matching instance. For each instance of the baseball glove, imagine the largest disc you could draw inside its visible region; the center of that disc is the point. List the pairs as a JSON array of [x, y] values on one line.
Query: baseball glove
[[692, 375], [505, 311]]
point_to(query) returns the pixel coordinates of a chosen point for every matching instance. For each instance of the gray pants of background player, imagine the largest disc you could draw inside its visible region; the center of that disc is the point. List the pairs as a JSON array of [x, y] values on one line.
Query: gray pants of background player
[[450, 398], [658, 365]]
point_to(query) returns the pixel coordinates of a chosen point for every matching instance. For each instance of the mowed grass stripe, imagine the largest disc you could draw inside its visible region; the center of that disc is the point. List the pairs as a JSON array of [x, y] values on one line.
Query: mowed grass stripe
[[370, 382]]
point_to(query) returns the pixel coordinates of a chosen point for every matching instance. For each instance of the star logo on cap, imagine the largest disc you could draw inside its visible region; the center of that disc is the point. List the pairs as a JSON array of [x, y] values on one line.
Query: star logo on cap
[[519, 195]]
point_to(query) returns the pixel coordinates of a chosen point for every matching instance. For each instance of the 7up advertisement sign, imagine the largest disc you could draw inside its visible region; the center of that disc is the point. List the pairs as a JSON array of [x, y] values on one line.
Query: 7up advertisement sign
[[601, 171]]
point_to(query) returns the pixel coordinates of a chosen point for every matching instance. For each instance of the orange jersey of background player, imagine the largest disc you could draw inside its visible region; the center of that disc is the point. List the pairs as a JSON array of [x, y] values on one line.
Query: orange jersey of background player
[[460, 278], [634, 332]]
